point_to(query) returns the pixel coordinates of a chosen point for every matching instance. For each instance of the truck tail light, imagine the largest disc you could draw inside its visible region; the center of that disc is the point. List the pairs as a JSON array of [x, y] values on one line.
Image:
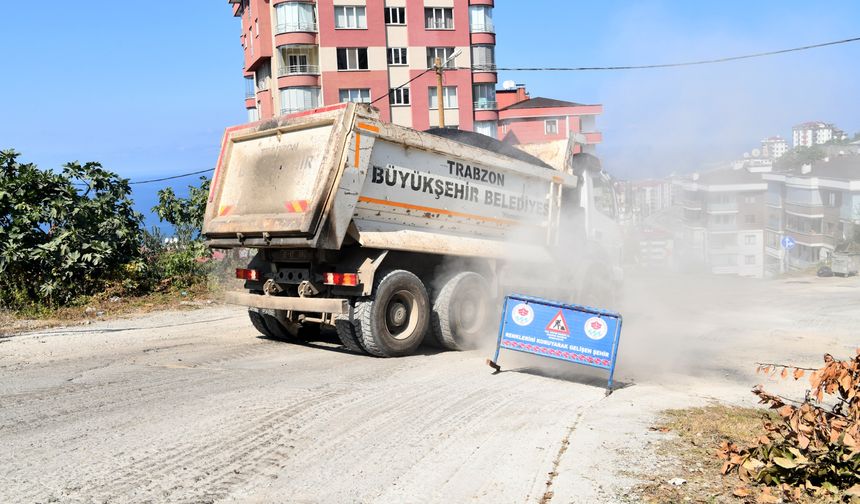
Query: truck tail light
[[346, 279], [247, 274]]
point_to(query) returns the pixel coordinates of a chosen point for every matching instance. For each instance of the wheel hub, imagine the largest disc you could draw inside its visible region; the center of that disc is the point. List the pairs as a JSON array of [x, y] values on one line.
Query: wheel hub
[[398, 314]]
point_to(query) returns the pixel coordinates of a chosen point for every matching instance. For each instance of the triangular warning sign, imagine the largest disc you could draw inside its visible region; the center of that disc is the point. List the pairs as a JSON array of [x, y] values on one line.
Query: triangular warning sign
[[558, 324]]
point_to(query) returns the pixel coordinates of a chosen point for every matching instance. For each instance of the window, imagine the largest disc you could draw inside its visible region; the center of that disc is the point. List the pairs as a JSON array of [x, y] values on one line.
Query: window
[[449, 97], [399, 96], [397, 56], [749, 200], [749, 219], [604, 198], [749, 240], [355, 95], [395, 15], [440, 52], [484, 58], [250, 91], [350, 16], [253, 115], [262, 76], [352, 58], [481, 19], [488, 128], [439, 18], [297, 99], [295, 17], [297, 60], [749, 260], [550, 126], [485, 96]]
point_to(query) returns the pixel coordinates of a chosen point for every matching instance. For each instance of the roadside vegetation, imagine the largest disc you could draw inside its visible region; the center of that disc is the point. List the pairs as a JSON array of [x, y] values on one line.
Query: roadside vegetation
[[71, 240], [799, 450]]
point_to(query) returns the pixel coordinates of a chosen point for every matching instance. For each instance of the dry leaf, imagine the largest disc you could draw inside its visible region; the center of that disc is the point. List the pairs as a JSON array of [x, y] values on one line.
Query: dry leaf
[[741, 492], [765, 497], [784, 373], [798, 374]]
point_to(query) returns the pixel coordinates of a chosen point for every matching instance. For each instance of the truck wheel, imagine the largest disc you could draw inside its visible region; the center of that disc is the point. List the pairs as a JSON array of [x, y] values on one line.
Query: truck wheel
[[392, 323], [259, 322], [347, 334], [279, 330], [461, 311]]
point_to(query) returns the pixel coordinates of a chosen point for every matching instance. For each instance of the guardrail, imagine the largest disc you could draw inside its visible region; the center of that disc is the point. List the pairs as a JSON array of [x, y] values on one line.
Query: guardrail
[[298, 70], [295, 27], [486, 105]]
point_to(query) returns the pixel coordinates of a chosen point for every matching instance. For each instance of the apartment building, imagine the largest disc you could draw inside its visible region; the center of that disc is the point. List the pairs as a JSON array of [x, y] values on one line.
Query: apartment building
[[774, 147], [818, 206], [304, 54], [815, 133], [723, 219], [640, 199]]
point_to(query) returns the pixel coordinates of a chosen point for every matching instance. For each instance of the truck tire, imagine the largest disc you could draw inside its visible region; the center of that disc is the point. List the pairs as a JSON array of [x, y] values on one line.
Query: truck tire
[[259, 322], [347, 334], [279, 330], [393, 322], [461, 311]]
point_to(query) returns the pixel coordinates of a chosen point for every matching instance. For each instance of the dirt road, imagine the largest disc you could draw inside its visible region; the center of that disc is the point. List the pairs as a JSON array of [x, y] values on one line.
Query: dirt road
[[194, 406]]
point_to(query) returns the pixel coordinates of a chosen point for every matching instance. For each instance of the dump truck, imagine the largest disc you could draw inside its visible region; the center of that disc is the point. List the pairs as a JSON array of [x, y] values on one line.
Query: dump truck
[[394, 236]]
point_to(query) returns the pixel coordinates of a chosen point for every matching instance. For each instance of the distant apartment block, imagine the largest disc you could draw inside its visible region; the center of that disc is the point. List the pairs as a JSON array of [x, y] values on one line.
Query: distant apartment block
[[723, 217], [815, 133], [774, 147], [818, 206], [527, 120], [303, 54], [640, 199]]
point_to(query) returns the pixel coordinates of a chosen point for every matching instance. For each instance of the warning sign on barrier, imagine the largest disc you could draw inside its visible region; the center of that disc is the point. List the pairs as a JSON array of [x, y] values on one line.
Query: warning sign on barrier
[[572, 333]]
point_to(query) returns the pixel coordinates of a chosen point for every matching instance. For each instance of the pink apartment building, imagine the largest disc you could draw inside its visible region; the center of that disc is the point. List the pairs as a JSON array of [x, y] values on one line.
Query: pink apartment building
[[526, 120], [304, 54]]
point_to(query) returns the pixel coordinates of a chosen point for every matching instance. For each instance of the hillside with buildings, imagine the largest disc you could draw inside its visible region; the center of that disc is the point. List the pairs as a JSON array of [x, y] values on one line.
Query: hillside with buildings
[[777, 209]]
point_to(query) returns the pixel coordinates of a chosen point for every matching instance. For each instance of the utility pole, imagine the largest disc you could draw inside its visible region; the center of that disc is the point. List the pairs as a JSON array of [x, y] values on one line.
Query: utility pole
[[439, 92]]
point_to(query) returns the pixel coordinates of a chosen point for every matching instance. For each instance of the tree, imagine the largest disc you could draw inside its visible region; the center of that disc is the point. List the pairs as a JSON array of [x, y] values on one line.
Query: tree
[[62, 235], [186, 261], [185, 214], [800, 156]]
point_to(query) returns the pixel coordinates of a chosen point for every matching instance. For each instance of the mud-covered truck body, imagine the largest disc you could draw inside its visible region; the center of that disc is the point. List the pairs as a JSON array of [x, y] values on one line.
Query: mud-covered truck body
[[390, 234]]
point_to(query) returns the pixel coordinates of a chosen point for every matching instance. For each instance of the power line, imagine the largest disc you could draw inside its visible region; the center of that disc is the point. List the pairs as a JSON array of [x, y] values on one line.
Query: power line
[[162, 179], [671, 65], [208, 170], [403, 85]]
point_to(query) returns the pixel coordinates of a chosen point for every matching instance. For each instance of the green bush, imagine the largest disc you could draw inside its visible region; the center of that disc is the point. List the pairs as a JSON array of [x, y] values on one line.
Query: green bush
[[62, 235]]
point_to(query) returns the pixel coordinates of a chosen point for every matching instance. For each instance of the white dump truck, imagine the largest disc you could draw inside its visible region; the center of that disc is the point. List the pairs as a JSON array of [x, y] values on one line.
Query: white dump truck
[[392, 235]]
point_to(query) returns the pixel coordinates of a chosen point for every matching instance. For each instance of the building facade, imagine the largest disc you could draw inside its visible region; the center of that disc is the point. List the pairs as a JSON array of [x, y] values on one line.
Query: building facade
[[818, 206], [774, 147], [304, 54], [526, 120], [815, 133], [723, 217]]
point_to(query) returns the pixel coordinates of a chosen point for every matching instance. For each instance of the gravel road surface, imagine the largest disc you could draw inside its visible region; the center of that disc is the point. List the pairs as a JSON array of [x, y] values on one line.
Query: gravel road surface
[[194, 406]]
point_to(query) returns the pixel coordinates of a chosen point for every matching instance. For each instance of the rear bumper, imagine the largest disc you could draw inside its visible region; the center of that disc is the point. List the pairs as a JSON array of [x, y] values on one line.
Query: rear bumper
[[309, 305]]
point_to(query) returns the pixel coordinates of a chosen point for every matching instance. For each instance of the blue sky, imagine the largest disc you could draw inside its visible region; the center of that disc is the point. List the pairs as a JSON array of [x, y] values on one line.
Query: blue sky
[[147, 89]]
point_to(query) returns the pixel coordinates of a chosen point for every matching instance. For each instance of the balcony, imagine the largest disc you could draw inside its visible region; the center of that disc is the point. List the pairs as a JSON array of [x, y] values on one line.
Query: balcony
[[486, 105], [287, 70], [482, 28], [722, 207], [811, 211], [593, 137], [301, 26], [691, 204], [484, 67]]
